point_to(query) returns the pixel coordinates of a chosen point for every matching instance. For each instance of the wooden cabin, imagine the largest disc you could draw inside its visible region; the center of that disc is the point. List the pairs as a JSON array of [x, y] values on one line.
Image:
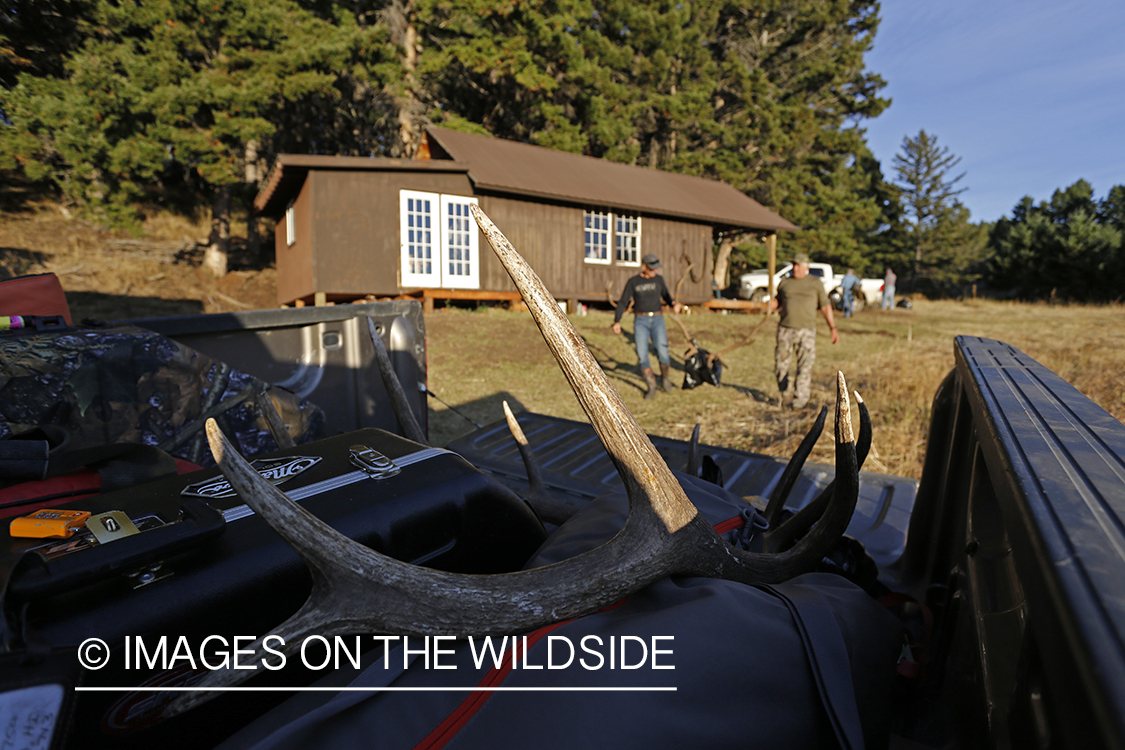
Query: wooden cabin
[[350, 227]]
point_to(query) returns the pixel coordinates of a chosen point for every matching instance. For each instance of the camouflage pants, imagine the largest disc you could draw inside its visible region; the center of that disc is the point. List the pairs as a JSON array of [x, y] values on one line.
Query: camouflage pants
[[803, 341]]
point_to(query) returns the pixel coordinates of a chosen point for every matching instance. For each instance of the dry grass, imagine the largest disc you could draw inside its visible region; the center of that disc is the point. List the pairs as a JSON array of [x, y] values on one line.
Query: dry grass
[[111, 275], [895, 359]]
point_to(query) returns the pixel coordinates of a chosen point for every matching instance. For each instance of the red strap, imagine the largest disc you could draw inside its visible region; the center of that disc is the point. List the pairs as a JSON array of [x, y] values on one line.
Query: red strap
[[41, 294], [730, 524], [28, 497], [445, 731]]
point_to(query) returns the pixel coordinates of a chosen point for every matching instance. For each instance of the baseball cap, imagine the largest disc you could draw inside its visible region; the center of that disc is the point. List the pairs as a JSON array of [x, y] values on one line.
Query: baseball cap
[[651, 261], [801, 258]]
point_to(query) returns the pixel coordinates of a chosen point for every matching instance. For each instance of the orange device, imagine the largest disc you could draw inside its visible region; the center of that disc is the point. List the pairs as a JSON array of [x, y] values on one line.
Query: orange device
[[47, 524]]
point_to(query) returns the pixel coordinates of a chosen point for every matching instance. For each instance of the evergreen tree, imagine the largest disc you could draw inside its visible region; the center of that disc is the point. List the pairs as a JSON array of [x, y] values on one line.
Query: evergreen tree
[[929, 196], [36, 36], [887, 243], [1070, 246], [791, 92], [765, 96], [169, 86]]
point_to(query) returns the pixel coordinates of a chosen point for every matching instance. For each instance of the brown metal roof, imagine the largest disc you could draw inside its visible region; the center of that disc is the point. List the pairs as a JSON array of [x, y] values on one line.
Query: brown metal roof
[[289, 171], [517, 168]]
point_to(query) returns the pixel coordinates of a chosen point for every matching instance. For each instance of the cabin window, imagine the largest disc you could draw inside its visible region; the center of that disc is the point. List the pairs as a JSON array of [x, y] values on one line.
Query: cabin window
[[459, 229], [417, 233], [290, 225], [597, 237], [439, 239], [627, 238]]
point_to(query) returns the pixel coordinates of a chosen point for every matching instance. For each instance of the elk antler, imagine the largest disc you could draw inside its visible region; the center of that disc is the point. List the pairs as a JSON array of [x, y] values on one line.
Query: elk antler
[[358, 590], [694, 458]]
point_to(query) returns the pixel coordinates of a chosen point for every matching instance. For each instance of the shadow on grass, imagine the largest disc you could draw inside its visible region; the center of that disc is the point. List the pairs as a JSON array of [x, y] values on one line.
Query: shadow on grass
[[447, 424], [18, 193], [18, 261], [98, 307], [759, 396], [240, 257], [623, 373]]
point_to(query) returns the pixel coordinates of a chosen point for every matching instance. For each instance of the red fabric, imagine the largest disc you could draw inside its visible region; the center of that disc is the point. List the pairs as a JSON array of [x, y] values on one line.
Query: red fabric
[[445, 731], [28, 497], [40, 295], [729, 525]]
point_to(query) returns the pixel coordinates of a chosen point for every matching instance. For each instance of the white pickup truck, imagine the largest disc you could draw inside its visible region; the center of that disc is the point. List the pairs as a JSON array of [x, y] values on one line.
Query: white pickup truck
[[754, 286]]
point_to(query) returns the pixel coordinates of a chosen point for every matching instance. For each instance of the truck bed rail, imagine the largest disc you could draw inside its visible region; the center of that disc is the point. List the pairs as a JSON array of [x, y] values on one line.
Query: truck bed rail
[[1018, 542]]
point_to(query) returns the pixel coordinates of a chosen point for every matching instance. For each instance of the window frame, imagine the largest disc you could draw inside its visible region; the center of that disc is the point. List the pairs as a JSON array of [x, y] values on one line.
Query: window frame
[[438, 233], [290, 226], [607, 232], [612, 237], [635, 234]]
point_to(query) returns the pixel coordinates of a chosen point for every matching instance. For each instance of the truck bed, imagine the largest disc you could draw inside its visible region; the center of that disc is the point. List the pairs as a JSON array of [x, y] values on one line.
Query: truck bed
[[575, 465]]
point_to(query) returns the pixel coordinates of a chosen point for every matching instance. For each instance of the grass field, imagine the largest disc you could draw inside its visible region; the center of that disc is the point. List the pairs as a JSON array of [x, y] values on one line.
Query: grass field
[[895, 359]]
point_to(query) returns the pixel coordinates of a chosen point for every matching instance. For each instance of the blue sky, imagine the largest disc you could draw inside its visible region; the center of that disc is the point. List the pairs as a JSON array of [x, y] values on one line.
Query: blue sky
[[1030, 94]]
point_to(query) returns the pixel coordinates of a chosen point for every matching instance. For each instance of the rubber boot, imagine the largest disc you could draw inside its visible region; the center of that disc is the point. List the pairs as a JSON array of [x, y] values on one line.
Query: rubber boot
[[666, 378], [651, 380]]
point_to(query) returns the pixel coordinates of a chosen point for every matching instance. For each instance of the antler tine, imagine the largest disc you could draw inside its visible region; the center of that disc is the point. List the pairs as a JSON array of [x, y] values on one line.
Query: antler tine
[[399, 404], [545, 504], [834, 522], [292, 522], [694, 459], [800, 522], [647, 477], [804, 555], [793, 469], [274, 423]]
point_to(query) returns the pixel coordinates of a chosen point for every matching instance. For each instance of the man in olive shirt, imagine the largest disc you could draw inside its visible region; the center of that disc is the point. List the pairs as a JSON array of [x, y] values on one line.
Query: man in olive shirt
[[799, 298], [648, 291]]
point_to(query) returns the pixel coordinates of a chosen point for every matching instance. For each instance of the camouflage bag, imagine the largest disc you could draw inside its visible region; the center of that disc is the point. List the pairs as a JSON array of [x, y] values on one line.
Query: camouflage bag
[[130, 385]]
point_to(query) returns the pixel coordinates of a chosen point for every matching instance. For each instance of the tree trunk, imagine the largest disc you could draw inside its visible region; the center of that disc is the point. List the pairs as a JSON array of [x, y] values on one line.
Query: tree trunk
[[722, 261], [218, 250], [253, 177], [408, 126]]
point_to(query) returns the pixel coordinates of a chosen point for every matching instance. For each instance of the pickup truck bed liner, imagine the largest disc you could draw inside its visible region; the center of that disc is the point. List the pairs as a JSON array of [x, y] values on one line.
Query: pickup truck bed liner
[[575, 464]]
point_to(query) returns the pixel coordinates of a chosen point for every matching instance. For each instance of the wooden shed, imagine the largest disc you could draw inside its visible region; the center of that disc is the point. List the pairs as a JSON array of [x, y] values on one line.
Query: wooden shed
[[349, 227]]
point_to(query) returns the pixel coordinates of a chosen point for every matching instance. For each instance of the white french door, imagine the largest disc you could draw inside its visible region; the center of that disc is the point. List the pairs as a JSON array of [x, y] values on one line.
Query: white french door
[[440, 241]]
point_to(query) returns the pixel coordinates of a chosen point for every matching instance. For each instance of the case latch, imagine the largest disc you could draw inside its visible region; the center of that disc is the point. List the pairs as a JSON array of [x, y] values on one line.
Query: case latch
[[373, 463]]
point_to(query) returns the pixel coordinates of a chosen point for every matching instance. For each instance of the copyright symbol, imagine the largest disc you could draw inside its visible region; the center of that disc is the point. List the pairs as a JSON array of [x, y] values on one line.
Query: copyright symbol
[[93, 653]]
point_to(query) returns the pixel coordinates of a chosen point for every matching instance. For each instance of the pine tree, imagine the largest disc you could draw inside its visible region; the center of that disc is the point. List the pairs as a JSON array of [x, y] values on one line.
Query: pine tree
[[929, 196], [1072, 246], [765, 96], [197, 85], [791, 92]]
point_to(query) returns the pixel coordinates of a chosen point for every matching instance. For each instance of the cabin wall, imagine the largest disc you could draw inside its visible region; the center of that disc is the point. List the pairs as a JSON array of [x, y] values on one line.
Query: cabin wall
[[348, 243], [353, 224], [294, 262], [551, 238]]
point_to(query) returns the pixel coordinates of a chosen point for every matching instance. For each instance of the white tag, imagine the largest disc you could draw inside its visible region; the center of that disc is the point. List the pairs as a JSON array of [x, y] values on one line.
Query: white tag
[[28, 716]]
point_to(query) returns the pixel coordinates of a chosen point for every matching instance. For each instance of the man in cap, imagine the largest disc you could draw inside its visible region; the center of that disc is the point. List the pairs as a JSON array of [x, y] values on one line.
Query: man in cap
[[799, 297], [647, 290]]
